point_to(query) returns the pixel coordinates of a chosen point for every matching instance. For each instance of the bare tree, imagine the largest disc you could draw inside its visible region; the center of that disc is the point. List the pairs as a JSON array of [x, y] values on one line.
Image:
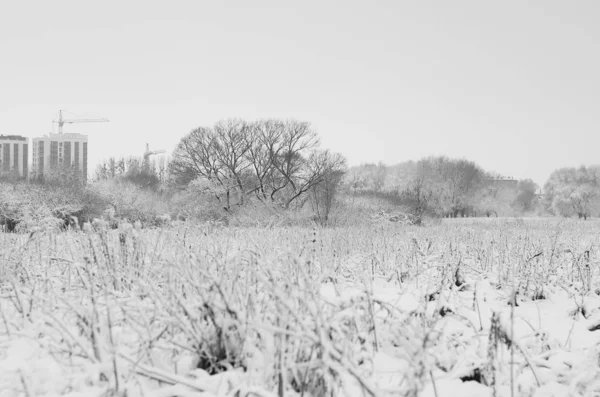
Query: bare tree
[[455, 183], [294, 160], [230, 148], [194, 157], [264, 139], [315, 170], [101, 172], [419, 193], [332, 167], [109, 169], [271, 160], [526, 194]]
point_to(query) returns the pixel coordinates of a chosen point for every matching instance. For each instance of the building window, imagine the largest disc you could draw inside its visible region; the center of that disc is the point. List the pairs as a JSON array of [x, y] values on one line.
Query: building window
[[85, 149], [41, 158], [53, 154], [16, 157], [76, 159], [67, 154], [25, 160], [6, 157]]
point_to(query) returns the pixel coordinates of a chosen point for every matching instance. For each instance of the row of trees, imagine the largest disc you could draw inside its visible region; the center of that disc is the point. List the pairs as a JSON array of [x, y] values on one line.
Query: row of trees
[[441, 186], [455, 187], [148, 173], [217, 169], [279, 163]]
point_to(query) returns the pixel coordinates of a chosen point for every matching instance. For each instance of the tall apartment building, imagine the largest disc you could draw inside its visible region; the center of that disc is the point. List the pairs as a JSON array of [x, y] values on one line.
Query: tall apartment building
[[14, 155], [55, 151]]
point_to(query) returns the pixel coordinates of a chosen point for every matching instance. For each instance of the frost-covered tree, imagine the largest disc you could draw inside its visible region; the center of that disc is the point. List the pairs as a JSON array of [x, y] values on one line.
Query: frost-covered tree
[[367, 178], [454, 182], [495, 199], [436, 185], [573, 191], [526, 193]]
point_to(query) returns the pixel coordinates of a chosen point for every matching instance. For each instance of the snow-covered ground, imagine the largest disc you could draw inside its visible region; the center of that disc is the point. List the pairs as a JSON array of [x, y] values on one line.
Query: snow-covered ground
[[379, 311], [554, 347]]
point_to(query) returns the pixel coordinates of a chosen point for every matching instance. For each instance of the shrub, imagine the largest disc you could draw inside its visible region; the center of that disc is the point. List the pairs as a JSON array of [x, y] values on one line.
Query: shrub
[[127, 201], [25, 206]]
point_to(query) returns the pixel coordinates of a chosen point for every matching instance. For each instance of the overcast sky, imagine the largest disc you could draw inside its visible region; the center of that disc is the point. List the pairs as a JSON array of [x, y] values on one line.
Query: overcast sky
[[513, 85]]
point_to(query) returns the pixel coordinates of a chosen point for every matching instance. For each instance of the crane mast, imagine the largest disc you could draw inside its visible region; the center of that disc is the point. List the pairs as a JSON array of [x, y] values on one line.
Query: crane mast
[[149, 153]]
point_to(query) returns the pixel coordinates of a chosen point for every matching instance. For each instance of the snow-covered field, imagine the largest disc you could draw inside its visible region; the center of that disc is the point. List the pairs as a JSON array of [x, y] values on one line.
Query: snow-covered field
[[498, 307]]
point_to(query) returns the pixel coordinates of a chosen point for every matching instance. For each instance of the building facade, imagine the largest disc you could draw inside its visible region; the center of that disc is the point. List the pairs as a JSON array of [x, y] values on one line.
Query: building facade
[[14, 155], [55, 151]]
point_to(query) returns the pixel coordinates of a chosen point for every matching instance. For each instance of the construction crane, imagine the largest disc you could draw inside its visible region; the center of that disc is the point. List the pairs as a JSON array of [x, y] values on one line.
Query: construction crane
[[149, 153], [61, 122]]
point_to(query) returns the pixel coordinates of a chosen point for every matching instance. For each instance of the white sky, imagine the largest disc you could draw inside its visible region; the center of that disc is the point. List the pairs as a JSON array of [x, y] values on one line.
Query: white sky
[[513, 85]]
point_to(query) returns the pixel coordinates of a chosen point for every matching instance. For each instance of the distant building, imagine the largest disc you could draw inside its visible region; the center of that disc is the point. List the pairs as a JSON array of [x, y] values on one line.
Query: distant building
[[504, 183], [14, 155], [55, 151]]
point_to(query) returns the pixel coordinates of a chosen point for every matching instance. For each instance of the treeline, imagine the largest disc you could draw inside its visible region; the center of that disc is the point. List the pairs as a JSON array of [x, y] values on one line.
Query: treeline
[[235, 165], [444, 187], [144, 172], [233, 172], [250, 172]]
